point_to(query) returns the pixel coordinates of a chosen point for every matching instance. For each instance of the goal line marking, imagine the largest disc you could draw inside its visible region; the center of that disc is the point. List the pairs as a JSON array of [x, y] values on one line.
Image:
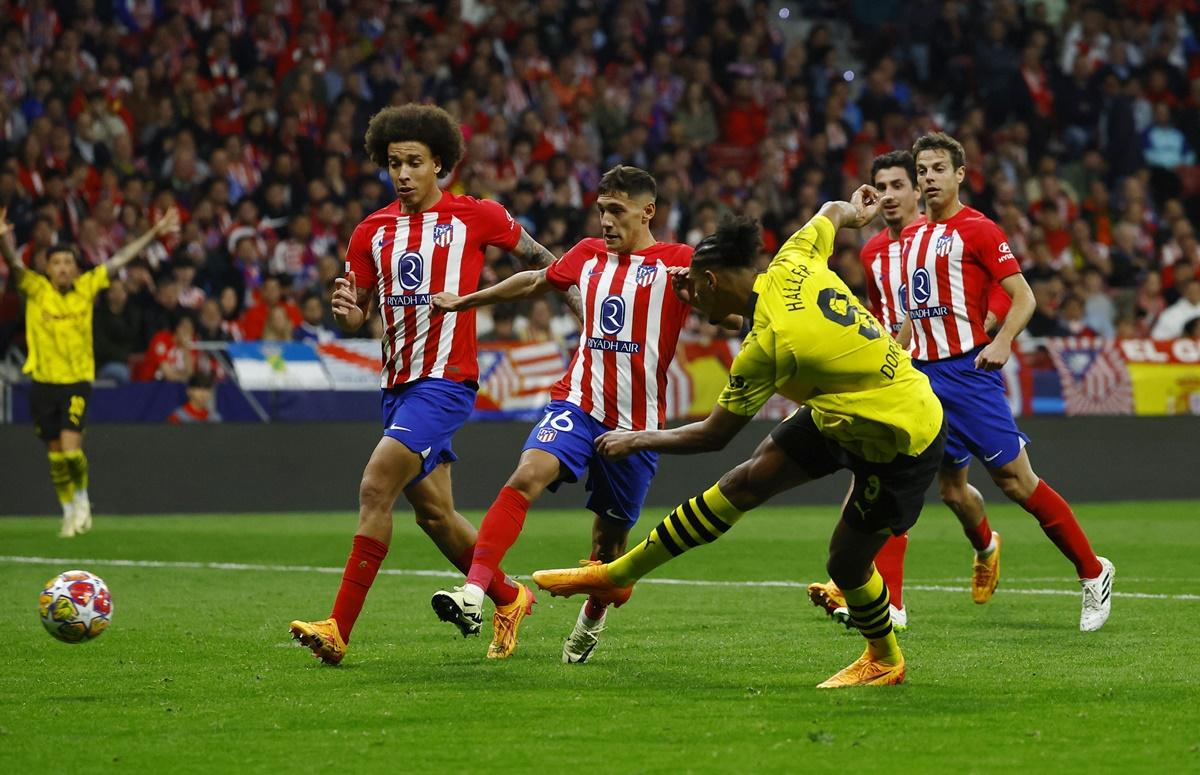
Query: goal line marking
[[67, 563]]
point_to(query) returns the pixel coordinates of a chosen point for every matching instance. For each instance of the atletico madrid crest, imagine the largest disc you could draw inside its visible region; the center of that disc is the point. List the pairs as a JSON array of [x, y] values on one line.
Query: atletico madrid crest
[[443, 234], [944, 244], [646, 274]]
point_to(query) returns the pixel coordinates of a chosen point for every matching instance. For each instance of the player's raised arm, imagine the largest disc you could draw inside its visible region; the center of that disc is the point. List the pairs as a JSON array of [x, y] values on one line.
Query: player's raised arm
[[707, 435], [168, 224], [858, 212], [15, 267], [538, 256], [522, 285]]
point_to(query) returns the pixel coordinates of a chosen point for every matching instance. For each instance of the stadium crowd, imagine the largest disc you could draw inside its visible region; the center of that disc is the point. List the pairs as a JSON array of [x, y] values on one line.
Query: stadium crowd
[[1081, 123]]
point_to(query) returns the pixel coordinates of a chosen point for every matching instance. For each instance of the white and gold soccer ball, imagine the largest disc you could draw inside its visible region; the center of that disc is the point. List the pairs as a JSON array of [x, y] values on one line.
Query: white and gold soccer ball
[[75, 606]]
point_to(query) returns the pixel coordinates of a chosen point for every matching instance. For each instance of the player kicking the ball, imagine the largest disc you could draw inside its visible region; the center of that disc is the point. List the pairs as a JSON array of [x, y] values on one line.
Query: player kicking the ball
[[949, 262], [617, 379], [866, 409], [426, 242]]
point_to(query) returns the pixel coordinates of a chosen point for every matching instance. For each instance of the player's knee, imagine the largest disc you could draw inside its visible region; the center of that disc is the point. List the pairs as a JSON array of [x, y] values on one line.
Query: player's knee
[[1015, 488], [953, 495], [528, 481], [845, 571], [738, 487], [373, 494]]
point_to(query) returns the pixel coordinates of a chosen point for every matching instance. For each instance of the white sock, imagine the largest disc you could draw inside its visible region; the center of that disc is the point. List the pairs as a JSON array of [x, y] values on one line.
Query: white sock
[[474, 593], [588, 621], [991, 547], [68, 510], [81, 496]]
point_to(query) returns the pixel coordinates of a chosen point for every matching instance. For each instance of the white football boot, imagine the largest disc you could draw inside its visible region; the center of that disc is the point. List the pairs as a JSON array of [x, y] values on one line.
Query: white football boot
[[1097, 598], [583, 639]]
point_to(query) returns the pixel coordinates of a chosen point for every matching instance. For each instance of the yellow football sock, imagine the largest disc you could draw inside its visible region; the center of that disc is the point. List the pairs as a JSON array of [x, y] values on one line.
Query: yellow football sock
[[77, 462], [695, 522], [60, 476], [871, 614]]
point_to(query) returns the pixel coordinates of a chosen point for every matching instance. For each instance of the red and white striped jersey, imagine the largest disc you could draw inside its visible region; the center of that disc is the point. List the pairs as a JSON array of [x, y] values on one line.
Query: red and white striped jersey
[[409, 258], [631, 323], [883, 266], [950, 268]]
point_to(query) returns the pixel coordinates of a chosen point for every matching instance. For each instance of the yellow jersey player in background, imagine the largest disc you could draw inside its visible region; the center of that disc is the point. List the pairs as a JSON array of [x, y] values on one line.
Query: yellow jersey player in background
[[865, 408], [58, 331]]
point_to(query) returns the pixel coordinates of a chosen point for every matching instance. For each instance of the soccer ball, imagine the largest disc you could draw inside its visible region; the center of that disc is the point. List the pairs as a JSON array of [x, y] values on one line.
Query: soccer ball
[[75, 606]]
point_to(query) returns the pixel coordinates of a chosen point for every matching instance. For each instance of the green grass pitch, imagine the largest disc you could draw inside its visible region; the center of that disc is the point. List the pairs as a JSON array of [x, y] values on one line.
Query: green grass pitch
[[198, 673]]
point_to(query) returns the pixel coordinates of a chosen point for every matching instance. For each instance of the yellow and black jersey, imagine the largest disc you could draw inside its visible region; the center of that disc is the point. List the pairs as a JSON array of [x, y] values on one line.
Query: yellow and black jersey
[[58, 326], [814, 343]]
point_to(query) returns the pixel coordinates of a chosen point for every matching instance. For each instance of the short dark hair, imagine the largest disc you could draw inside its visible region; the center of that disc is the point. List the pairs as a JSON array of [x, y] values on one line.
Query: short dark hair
[[734, 245], [65, 247], [426, 124], [200, 380], [940, 141], [627, 180], [902, 159]]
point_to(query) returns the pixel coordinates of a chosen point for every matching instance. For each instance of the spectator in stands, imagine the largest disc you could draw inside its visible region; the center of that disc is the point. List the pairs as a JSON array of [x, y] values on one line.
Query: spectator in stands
[[538, 325], [254, 319], [504, 317], [1071, 318], [313, 329], [117, 333], [1148, 303], [210, 326], [1172, 320], [200, 406], [728, 111], [279, 327], [1045, 321], [1099, 312], [170, 355]]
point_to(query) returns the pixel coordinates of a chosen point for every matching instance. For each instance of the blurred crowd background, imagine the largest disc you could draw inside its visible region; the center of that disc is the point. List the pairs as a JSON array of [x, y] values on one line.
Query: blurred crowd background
[[1081, 122]]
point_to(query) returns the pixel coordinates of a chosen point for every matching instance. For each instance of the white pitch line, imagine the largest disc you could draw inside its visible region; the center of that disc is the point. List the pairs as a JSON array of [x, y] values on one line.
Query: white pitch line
[[448, 574]]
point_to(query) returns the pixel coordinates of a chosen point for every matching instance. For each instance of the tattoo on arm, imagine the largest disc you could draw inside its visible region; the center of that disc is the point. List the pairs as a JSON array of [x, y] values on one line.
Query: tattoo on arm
[[533, 253], [538, 256]]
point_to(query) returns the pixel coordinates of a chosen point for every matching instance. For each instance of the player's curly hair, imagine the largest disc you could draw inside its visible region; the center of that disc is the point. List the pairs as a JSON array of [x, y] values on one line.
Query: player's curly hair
[[734, 245], [426, 124], [940, 141]]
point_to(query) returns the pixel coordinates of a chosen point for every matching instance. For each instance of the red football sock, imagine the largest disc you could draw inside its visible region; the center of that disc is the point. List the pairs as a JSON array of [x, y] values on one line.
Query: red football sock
[[1060, 526], [980, 536], [502, 590], [499, 531], [594, 609], [890, 563], [366, 555]]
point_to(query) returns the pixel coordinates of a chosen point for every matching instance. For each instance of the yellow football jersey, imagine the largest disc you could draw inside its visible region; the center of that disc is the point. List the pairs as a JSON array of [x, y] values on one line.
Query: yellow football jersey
[[58, 326], [812, 342]]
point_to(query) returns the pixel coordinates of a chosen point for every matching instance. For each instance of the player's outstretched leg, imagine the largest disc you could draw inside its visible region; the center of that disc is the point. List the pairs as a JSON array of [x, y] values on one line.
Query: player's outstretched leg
[[696, 522]]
